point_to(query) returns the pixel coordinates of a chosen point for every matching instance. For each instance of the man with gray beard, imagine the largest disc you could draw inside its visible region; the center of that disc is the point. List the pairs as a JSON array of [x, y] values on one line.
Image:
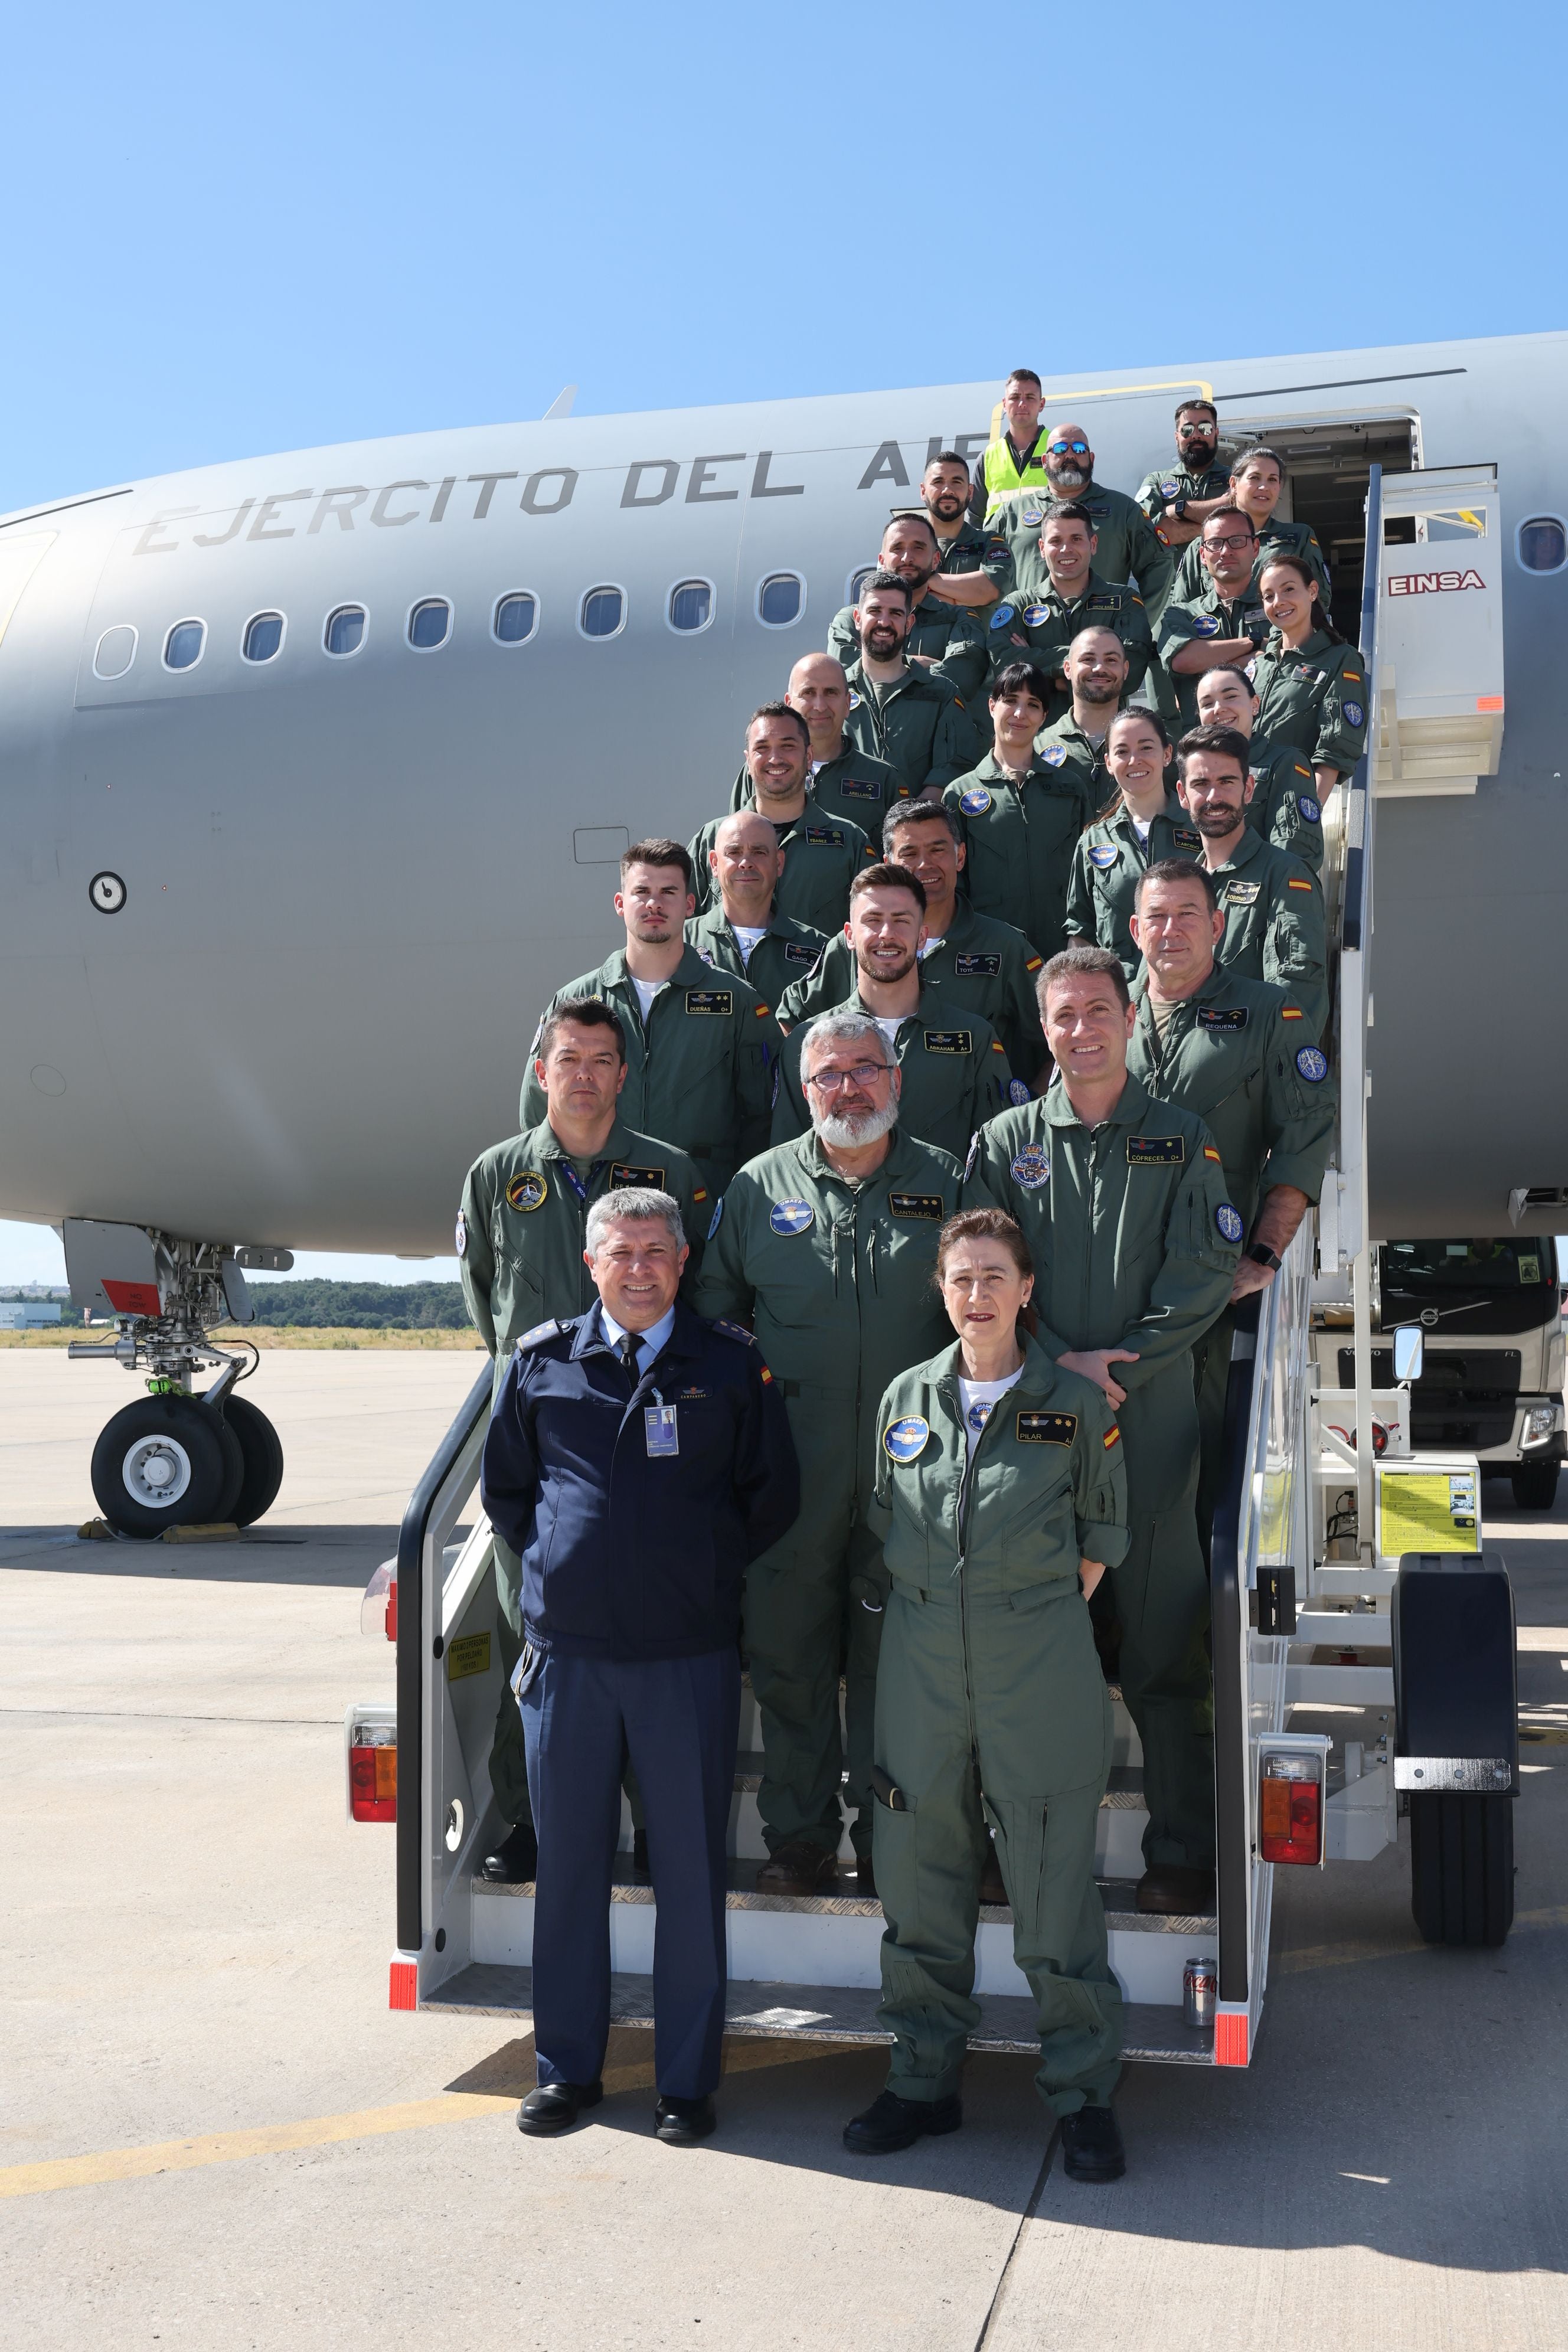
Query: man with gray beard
[[825, 1248]]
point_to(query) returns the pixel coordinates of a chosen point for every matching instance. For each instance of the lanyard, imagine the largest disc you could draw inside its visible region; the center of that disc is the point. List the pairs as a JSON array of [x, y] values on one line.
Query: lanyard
[[578, 1187]]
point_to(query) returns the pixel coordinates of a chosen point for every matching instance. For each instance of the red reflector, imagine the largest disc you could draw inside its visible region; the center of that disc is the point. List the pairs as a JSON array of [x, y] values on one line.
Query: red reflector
[[373, 1777], [1290, 1812], [1488, 702], [392, 1610], [402, 1990], [1230, 2038]]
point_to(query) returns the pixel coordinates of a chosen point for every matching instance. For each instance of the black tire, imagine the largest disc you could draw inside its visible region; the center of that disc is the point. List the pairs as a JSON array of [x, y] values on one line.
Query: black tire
[[234, 1467], [175, 1432], [1534, 1484], [1461, 1868], [263, 1451]]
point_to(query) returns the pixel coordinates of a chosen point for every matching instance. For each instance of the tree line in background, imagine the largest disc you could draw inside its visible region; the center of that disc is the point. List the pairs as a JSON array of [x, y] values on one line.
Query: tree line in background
[[361, 1305]]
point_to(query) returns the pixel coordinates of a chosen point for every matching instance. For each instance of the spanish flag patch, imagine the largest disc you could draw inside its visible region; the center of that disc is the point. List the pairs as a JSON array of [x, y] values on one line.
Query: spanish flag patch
[[763, 1010], [1034, 963], [700, 1192], [1112, 1437], [1298, 886], [1291, 1012], [997, 1046], [1209, 1152], [767, 1377]]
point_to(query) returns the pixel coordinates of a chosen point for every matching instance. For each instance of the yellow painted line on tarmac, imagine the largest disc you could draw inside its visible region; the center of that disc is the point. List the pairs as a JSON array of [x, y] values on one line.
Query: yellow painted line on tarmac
[[513, 2066]]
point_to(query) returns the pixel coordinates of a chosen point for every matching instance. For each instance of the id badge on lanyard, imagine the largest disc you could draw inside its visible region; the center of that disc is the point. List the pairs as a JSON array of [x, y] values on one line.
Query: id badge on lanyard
[[576, 1182], [661, 1430]]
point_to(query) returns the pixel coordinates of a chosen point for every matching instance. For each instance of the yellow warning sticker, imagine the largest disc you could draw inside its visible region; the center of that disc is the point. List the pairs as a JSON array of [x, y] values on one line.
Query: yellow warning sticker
[[469, 1654], [1428, 1510]]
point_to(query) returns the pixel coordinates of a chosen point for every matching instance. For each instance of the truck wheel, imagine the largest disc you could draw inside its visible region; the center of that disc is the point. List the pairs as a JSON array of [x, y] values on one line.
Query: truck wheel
[[163, 1463], [263, 1451], [1461, 1868], [1534, 1484]]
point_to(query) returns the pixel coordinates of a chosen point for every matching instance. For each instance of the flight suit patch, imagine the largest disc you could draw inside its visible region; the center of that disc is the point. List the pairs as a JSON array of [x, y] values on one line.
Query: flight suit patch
[[1017, 1093], [1291, 1012], [1210, 1153], [1229, 1222], [1112, 1437], [461, 1235], [1242, 894], [1156, 1151], [1047, 1428], [1001, 617], [711, 999], [1308, 808], [1185, 838], [1298, 886], [796, 953], [1033, 963], [950, 1040], [976, 967], [526, 1192], [975, 802], [918, 1204], [1035, 616], [1223, 1016], [791, 1216], [1032, 1168], [1312, 1065], [1205, 625], [1103, 856], [858, 788], [903, 1441], [1054, 755], [623, 1172], [717, 1213], [830, 836]]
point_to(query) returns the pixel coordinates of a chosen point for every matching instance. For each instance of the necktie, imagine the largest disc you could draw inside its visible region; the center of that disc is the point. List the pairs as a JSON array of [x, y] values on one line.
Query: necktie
[[626, 1350]]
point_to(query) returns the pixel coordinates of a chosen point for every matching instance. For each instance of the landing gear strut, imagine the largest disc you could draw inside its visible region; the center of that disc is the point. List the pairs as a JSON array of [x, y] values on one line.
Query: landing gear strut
[[175, 1458]]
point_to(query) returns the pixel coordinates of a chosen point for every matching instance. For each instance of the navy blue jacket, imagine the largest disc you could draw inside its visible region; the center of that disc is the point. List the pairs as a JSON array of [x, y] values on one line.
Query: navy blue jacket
[[627, 1555]]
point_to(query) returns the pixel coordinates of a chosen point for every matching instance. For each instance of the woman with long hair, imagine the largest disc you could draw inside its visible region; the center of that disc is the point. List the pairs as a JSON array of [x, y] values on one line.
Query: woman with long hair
[[1311, 685], [1142, 823]]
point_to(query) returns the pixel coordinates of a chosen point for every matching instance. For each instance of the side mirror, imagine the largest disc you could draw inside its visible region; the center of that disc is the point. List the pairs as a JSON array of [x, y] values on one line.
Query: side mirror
[[1409, 1347]]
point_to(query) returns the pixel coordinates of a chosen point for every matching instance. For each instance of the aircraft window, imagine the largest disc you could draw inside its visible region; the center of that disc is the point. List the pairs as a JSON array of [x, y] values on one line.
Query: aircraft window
[[345, 630], [780, 599], [602, 612], [691, 604], [263, 636], [1543, 543], [856, 581], [116, 652], [516, 619], [429, 625], [183, 645]]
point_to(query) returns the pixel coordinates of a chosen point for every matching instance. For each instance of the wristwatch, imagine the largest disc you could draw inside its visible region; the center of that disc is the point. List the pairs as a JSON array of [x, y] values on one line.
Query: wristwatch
[[1179, 508], [1261, 1254]]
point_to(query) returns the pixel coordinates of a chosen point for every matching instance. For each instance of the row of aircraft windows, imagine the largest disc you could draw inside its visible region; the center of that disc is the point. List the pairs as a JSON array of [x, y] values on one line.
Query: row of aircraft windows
[[601, 613]]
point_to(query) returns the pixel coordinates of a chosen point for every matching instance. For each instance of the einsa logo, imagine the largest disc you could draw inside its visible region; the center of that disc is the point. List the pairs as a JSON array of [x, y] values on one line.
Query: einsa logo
[[1432, 584]]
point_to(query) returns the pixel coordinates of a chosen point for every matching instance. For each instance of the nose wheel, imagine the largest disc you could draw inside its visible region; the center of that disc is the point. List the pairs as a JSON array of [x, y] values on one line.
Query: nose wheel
[[166, 1462]]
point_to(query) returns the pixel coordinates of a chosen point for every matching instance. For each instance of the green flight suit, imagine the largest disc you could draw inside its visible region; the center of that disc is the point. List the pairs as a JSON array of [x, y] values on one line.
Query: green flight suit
[[970, 550], [1107, 866], [1040, 630], [991, 1706], [520, 1235], [1164, 486], [1284, 807], [1274, 925], [981, 966], [1064, 747], [1187, 620], [918, 725], [700, 1076], [1127, 546], [1019, 842], [851, 788], [1135, 1245], [785, 952], [952, 636], [834, 1279], [953, 1071], [1276, 538], [822, 857], [1239, 1053], [1315, 698]]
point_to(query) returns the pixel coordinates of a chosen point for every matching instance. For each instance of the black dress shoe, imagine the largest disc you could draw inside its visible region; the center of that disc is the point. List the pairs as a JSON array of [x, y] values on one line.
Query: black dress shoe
[[683, 2122], [1175, 1890], [865, 1876], [1091, 2146], [798, 1869], [891, 2124], [515, 1862], [555, 2107]]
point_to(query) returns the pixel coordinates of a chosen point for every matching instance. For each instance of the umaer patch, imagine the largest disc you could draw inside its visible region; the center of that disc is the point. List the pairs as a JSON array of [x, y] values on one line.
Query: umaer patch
[[791, 1216], [1031, 1167], [721, 1001], [975, 802], [903, 1441], [1104, 855], [1205, 625], [526, 1192], [1054, 755], [1222, 1016], [918, 1204], [1229, 1222], [1047, 1428], [950, 1040], [1035, 616], [1312, 1065], [976, 967], [1156, 1151]]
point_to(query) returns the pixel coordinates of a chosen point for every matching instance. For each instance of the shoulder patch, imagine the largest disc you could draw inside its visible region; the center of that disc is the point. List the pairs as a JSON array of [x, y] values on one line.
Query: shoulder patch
[[905, 1439], [1156, 1151], [1210, 1153], [540, 1332], [1355, 715], [1001, 617], [927, 1205], [1034, 963], [1223, 1016], [951, 1041], [461, 1238], [1112, 1437], [1312, 1065], [1291, 1012], [974, 1155], [1031, 1168], [1017, 1093], [1308, 808], [1104, 855], [717, 1217], [1292, 884], [1054, 755], [1047, 1428], [975, 802], [721, 1001], [1228, 1220], [526, 1192], [735, 1331]]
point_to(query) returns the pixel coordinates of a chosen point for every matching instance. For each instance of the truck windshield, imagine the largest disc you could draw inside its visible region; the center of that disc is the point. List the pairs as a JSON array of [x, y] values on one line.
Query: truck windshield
[[1440, 1266]]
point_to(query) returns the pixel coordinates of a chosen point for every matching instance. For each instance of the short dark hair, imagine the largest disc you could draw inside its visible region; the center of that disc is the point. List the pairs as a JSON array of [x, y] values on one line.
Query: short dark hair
[[946, 458], [1177, 869], [1023, 375], [911, 514], [885, 582], [888, 876], [1225, 742], [588, 1013], [1231, 510], [1094, 629], [1190, 407], [1067, 510], [655, 851], [1244, 457], [781, 710], [915, 812], [1021, 677], [1082, 962], [983, 1226]]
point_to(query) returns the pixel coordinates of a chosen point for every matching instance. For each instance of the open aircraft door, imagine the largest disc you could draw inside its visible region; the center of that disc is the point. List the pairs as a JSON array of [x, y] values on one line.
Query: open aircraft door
[[1439, 632]]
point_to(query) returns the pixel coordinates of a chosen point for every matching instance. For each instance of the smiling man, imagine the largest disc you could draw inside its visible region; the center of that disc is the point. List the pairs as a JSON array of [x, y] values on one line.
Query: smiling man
[[1273, 908], [943, 638], [823, 852], [1121, 1199], [747, 932], [1129, 548]]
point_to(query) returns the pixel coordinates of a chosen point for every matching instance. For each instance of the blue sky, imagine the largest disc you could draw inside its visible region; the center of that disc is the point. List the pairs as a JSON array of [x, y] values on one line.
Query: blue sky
[[237, 230]]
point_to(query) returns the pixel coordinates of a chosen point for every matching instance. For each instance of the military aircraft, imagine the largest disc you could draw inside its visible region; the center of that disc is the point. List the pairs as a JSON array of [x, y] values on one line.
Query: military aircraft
[[315, 770]]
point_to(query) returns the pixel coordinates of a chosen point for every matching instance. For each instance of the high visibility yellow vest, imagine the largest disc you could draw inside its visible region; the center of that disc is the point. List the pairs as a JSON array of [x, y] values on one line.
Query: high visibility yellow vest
[[1001, 476]]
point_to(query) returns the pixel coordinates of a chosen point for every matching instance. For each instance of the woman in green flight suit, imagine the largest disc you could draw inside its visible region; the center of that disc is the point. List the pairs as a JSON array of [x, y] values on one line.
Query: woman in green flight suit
[[1311, 685], [1144, 824], [1002, 1499]]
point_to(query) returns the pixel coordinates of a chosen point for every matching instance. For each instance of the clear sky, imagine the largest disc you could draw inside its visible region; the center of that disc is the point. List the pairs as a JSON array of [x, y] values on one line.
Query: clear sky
[[237, 230]]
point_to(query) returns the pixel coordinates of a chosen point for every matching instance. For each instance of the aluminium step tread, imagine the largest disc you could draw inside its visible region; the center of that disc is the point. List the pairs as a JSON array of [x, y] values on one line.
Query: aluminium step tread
[[845, 2013]]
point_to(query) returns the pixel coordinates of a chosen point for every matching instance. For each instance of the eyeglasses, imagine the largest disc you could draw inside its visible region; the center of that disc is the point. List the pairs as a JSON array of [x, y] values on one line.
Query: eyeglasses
[[1190, 432], [1235, 538], [865, 1073], [1060, 448]]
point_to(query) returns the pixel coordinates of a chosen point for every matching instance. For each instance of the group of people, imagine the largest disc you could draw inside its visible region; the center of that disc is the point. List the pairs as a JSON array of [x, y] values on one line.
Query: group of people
[[861, 1280]]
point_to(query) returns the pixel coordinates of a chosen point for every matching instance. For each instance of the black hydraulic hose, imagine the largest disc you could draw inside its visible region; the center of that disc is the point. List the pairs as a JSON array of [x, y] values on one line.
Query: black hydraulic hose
[[411, 1536], [1228, 1601]]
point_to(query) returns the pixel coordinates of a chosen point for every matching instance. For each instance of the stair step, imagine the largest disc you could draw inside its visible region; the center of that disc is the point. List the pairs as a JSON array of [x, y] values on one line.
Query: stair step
[[843, 2013]]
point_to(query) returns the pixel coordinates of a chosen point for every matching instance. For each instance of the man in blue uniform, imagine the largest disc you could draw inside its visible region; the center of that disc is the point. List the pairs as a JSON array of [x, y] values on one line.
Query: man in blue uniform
[[639, 1459]]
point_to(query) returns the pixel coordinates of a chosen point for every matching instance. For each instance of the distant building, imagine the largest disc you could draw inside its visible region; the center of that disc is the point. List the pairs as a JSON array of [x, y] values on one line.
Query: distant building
[[28, 1313]]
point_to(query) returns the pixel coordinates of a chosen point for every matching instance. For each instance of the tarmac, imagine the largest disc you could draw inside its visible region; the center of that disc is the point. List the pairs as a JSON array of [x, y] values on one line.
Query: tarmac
[[213, 2134]]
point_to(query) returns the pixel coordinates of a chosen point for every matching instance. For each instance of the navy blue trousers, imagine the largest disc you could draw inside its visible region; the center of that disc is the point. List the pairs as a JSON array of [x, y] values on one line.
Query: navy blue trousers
[[678, 1719]]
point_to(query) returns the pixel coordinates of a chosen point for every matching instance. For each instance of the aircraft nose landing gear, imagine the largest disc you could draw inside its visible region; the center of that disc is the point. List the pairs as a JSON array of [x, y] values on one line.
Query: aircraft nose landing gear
[[175, 1459]]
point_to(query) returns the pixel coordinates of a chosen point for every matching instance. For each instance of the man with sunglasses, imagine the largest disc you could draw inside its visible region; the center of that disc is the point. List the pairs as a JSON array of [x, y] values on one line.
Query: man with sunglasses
[[825, 1248], [1178, 499], [1224, 625], [1074, 595], [1129, 548]]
